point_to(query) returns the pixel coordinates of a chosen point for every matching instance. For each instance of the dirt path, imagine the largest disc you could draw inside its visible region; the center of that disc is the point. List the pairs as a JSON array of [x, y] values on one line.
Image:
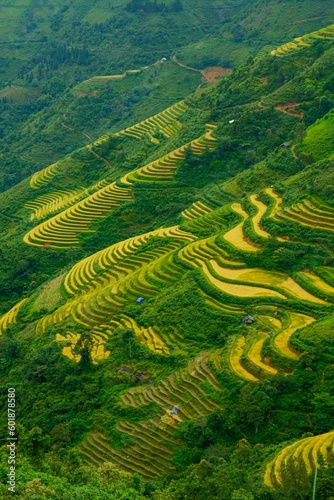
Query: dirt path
[[64, 124], [210, 74], [307, 19], [185, 65], [90, 147], [88, 136], [298, 21], [99, 156], [290, 109], [293, 151]]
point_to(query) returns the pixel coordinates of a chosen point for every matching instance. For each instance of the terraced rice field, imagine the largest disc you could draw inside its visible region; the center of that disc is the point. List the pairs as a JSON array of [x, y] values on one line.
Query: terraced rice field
[[236, 236], [85, 86], [96, 307], [87, 270], [182, 388], [254, 346], [71, 340], [309, 450], [254, 354], [261, 210], [276, 199], [236, 289], [123, 285], [149, 457], [281, 341], [197, 209], [282, 282], [319, 283], [304, 41], [236, 353], [43, 176], [147, 336], [99, 185], [163, 169], [216, 358], [97, 340], [10, 317], [216, 304], [165, 123], [326, 273], [105, 282], [214, 220], [53, 202], [274, 324], [198, 252], [310, 213], [151, 453], [100, 334], [61, 231]]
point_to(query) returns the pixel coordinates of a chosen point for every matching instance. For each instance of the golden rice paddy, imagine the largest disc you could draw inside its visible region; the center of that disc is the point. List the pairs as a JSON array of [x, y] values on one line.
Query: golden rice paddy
[[270, 278], [239, 290], [262, 208], [318, 282], [309, 450], [254, 353], [281, 341], [235, 236], [277, 201], [234, 359]]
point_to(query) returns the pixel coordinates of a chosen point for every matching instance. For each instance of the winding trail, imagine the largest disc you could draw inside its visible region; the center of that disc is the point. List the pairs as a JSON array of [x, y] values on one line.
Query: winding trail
[[188, 67], [293, 151], [290, 109], [99, 156], [89, 146], [66, 126]]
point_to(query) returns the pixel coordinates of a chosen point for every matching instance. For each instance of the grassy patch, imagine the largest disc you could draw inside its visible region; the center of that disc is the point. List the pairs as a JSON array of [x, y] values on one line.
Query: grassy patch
[[50, 295]]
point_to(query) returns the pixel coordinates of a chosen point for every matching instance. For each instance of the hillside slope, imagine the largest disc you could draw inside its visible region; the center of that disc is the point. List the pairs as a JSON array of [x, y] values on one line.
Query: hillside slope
[[53, 99], [169, 298]]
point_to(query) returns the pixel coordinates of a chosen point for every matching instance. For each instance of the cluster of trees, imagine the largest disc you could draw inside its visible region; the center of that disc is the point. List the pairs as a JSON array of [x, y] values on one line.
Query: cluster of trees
[[222, 456], [151, 7]]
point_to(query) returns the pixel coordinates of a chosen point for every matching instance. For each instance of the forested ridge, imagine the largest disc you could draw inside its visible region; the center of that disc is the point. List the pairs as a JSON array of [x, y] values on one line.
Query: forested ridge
[[167, 275]]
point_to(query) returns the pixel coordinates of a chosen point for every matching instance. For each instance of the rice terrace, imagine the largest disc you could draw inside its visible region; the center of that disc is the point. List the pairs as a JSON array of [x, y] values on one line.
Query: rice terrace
[[167, 250]]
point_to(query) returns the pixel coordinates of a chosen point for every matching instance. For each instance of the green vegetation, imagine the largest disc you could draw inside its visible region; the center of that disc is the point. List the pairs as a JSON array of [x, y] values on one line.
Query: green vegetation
[[53, 93], [318, 142], [305, 41], [168, 278]]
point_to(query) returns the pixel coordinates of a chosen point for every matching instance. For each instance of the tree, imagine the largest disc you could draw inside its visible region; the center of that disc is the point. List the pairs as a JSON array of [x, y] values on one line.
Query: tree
[[295, 480], [300, 133], [241, 495], [84, 348], [35, 444]]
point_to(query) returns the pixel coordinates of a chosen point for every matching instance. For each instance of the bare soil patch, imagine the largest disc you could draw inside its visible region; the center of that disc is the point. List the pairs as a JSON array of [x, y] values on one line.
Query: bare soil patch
[[214, 73], [81, 93], [290, 109]]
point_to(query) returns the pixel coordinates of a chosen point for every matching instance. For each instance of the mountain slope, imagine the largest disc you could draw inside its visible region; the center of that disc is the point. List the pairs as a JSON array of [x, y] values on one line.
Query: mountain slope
[[52, 99], [169, 296]]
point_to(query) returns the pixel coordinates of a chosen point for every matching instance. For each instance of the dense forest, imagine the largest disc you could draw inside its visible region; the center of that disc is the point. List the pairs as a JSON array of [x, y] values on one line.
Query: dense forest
[[167, 265]]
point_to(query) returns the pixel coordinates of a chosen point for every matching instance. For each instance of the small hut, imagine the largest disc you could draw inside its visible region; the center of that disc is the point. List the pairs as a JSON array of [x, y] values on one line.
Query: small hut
[[140, 300], [248, 320]]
